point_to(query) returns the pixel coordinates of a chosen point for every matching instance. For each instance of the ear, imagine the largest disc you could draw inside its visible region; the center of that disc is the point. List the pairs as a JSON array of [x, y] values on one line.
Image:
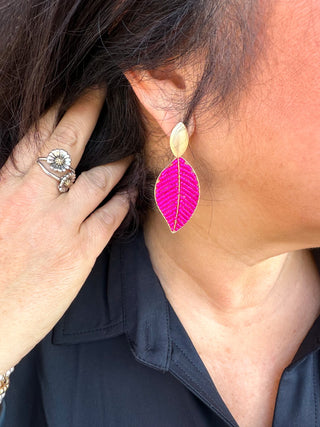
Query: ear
[[163, 93]]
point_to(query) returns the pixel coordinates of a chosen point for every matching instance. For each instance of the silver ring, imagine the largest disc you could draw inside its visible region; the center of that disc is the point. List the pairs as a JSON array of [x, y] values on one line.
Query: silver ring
[[59, 160]]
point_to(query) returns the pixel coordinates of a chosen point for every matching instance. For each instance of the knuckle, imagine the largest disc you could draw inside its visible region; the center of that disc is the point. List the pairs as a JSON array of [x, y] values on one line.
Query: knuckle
[[107, 218], [66, 134], [99, 178]]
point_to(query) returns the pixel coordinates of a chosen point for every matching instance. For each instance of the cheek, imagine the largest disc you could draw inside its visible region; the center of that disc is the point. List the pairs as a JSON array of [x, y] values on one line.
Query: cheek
[[282, 113], [291, 94]]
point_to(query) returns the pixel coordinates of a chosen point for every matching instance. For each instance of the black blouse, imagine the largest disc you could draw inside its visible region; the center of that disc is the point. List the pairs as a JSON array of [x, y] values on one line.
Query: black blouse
[[120, 357]]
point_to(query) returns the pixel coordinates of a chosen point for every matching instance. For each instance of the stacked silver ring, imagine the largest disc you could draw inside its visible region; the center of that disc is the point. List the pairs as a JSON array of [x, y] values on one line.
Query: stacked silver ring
[[59, 160]]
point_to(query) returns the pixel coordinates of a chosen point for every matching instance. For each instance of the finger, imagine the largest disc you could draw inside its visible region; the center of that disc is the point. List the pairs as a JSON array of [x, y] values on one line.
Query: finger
[[25, 152], [98, 228], [91, 188], [71, 134], [76, 126]]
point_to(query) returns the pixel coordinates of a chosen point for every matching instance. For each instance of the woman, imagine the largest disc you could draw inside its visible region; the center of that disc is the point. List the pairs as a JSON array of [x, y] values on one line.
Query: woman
[[215, 324]]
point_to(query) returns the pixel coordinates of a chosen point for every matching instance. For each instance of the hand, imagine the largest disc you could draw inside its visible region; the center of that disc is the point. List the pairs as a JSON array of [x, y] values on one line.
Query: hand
[[49, 241]]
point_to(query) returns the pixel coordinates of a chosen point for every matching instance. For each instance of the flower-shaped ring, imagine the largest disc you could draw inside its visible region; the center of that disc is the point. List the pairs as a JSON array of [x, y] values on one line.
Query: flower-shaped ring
[[59, 160]]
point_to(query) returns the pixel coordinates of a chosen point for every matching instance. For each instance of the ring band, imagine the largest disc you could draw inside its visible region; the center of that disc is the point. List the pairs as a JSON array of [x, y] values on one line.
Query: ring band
[[59, 160]]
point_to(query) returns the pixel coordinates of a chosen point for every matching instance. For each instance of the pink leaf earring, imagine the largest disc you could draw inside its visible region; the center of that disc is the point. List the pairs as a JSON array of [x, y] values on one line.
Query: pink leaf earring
[[177, 189]]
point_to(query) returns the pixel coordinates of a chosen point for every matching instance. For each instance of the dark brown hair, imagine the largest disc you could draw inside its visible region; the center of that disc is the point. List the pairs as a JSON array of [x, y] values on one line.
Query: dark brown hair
[[52, 50]]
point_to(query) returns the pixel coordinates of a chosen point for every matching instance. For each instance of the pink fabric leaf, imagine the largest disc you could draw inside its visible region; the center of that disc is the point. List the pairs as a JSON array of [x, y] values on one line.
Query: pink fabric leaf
[[177, 193]]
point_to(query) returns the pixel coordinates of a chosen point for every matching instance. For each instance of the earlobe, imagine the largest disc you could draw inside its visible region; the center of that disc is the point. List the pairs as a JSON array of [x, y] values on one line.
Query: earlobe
[[161, 93]]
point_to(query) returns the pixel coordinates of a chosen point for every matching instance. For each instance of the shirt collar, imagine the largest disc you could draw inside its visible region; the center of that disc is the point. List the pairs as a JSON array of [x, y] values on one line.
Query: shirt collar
[[145, 307], [123, 295]]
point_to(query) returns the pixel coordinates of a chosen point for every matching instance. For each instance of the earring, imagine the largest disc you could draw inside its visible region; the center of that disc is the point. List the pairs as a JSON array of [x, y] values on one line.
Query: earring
[[177, 189]]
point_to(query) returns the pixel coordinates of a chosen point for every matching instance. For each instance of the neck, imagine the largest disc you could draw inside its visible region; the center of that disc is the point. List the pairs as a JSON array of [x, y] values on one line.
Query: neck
[[227, 286]]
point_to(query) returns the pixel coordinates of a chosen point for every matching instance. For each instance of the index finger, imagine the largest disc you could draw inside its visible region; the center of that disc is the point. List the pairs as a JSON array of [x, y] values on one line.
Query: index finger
[[76, 126], [71, 133]]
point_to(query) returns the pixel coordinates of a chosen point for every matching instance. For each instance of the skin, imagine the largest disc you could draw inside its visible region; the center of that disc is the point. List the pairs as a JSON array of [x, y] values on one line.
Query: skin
[[239, 274], [48, 246]]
